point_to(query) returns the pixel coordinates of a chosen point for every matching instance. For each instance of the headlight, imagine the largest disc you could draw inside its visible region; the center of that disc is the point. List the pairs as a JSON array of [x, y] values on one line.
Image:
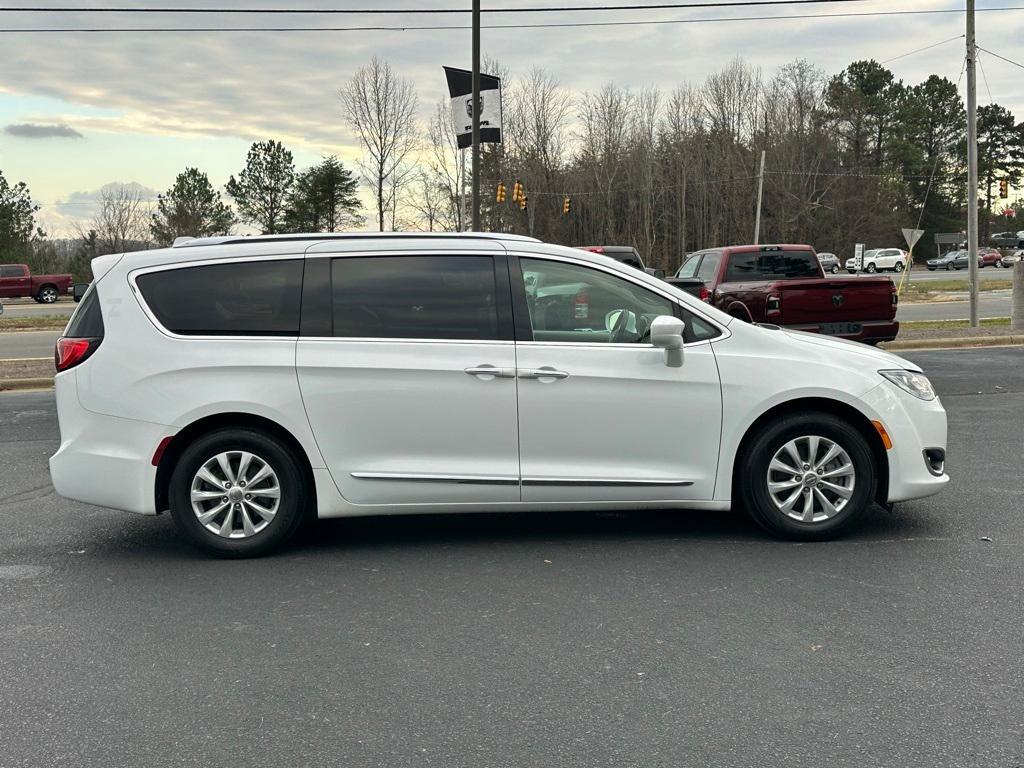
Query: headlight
[[915, 383]]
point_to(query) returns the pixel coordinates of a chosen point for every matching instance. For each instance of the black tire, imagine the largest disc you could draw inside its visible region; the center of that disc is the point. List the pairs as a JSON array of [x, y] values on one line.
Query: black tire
[[835, 269], [898, 267], [292, 484], [949, 267], [752, 477], [47, 294], [870, 268]]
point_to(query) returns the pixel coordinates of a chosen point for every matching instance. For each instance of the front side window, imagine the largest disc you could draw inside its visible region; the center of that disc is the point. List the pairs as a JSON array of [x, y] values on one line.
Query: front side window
[[576, 304], [771, 265], [241, 298], [689, 267], [414, 297]]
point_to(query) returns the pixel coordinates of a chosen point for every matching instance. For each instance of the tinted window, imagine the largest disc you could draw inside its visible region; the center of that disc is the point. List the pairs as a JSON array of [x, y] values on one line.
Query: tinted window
[[415, 297], [571, 303], [709, 266], [11, 272], [245, 298], [772, 265], [87, 322]]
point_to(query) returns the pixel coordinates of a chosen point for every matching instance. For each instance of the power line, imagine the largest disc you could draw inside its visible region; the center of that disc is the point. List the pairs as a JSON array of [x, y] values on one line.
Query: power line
[[406, 11], [1008, 61], [985, 78], [925, 48], [461, 27]]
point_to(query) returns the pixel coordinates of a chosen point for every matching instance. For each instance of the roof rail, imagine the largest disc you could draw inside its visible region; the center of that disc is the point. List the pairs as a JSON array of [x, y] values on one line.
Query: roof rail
[[187, 242]]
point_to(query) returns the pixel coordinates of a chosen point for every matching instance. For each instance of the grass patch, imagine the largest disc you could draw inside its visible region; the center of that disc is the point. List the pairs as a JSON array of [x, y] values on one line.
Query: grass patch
[[951, 325], [952, 286], [45, 323]]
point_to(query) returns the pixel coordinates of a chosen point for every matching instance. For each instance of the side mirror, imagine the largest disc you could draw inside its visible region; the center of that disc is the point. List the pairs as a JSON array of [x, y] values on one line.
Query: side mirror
[[660, 274], [667, 334], [80, 289]]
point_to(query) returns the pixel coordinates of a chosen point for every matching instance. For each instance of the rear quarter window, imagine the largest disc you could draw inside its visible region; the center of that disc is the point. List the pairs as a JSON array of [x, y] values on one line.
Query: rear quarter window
[[243, 298], [87, 321]]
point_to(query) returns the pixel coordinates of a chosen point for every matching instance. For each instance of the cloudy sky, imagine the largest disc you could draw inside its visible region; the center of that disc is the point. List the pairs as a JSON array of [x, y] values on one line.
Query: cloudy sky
[[79, 111]]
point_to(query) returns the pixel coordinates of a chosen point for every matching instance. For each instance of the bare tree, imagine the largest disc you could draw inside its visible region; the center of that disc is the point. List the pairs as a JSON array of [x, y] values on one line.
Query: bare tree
[[381, 108], [122, 221]]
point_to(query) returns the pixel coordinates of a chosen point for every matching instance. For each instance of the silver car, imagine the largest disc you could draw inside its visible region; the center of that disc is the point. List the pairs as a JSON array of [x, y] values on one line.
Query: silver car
[[829, 262]]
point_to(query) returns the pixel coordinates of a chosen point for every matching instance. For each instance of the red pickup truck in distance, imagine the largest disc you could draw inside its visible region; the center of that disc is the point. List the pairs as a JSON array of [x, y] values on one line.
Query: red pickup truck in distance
[[785, 285], [16, 281]]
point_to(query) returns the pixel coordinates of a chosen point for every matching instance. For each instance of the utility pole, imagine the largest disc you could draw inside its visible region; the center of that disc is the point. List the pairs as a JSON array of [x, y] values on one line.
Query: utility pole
[[972, 166], [760, 189], [476, 115]]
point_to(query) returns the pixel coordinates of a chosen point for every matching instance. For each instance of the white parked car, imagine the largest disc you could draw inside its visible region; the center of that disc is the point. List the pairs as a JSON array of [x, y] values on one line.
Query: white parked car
[[878, 259], [246, 384]]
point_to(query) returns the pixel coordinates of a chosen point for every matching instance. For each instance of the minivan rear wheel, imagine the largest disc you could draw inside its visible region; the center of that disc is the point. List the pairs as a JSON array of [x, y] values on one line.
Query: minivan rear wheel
[[237, 492], [807, 477]]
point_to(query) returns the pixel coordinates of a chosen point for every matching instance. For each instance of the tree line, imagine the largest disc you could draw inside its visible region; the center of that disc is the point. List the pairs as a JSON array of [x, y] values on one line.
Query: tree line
[[851, 157]]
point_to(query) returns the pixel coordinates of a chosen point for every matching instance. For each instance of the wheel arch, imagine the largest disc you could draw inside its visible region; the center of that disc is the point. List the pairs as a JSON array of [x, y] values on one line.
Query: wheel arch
[[837, 408], [184, 437]]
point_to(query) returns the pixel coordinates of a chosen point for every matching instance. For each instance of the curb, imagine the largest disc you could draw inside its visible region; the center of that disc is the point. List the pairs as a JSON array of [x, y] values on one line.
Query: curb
[[10, 385], [1011, 340]]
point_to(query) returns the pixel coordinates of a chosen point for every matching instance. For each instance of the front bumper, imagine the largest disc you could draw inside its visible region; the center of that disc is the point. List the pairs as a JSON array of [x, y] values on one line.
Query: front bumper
[[914, 425], [103, 460]]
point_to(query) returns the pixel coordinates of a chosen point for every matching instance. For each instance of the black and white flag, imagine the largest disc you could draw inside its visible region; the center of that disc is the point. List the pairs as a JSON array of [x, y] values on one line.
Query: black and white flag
[[460, 88]]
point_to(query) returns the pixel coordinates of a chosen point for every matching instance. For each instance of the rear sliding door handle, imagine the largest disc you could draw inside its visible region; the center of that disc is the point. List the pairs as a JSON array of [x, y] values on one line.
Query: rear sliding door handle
[[487, 372], [545, 372]]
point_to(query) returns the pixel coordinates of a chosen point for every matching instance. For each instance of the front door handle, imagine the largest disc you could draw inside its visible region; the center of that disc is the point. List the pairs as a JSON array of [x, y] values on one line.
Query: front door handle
[[544, 372], [486, 372]]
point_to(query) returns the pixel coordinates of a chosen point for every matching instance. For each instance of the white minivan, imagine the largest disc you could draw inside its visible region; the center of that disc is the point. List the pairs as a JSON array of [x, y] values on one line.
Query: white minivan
[[246, 384]]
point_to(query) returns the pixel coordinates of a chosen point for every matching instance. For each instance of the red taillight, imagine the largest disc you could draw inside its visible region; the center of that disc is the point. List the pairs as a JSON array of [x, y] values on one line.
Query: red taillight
[[705, 294], [70, 352]]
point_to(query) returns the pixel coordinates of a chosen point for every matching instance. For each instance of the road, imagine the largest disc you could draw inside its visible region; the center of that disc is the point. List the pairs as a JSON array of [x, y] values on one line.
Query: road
[[654, 639], [990, 304], [27, 344], [30, 308]]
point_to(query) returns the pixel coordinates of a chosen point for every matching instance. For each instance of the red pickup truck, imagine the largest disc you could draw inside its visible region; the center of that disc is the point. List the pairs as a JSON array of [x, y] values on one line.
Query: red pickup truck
[[16, 281], [785, 285]]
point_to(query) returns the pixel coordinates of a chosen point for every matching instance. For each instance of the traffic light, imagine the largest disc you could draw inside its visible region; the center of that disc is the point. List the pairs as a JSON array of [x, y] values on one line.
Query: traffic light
[[1004, 188], [499, 196], [566, 206], [522, 202], [517, 191]]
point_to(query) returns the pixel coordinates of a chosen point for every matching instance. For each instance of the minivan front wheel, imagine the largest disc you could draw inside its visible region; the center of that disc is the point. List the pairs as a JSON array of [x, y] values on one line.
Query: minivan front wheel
[[807, 477], [237, 493]]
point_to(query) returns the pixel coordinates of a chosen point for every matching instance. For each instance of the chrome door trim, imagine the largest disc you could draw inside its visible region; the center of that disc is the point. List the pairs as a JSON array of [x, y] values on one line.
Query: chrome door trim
[[574, 481], [436, 478]]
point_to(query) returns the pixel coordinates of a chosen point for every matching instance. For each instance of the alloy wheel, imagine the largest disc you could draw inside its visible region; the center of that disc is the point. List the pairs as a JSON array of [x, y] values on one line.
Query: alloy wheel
[[48, 295], [235, 494], [810, 479]]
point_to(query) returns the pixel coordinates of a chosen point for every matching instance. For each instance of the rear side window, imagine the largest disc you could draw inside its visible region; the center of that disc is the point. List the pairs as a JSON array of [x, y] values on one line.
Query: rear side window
[[12, 272], [415, 297], [244, 298], [709, 267], [87, 322], [771, 265]]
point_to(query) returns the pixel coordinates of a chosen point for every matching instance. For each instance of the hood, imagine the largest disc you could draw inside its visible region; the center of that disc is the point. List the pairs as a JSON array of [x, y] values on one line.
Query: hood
[[878, 357]]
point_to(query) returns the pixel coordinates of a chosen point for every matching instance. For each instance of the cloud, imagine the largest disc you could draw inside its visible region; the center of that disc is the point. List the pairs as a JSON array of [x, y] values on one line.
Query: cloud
[[42, 131]]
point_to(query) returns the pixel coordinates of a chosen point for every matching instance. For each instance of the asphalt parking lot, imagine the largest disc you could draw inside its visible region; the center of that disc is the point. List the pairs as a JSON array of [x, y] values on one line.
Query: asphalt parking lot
[[655, 639]]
